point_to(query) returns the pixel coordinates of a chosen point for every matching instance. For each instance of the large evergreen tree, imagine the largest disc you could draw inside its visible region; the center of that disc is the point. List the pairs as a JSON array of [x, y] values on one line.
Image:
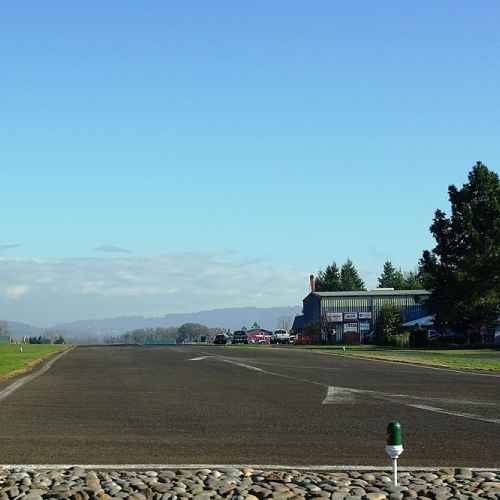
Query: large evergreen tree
[[412, 281], [391, 277], [329, 279], [463, 269], [349, 278], [397, 279]]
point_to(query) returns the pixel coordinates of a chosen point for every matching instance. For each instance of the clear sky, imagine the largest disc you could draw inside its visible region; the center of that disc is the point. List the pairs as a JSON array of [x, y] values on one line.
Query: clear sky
[[229, 148]]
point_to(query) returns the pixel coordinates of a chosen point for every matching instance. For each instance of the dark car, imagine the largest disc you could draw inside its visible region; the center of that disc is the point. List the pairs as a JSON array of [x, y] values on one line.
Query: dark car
[[240, 337], [220, 339]]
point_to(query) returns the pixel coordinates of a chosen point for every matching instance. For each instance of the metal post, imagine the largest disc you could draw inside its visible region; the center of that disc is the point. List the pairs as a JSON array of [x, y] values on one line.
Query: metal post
[[395, 471]]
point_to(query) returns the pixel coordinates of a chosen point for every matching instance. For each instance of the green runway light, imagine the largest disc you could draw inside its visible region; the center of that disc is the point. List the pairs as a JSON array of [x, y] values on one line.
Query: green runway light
[[394, 434], [394, 447]]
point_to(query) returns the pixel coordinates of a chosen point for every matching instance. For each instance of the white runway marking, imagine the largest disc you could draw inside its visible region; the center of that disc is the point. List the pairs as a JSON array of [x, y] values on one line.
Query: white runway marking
[[275, 374], [470, 416], [200, 358], [256, 467], [338, 395], [248, 367], [28, 378]]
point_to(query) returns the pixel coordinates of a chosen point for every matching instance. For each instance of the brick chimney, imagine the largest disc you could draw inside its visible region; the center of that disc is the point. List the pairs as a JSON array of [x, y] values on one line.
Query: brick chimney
[[312, 283]]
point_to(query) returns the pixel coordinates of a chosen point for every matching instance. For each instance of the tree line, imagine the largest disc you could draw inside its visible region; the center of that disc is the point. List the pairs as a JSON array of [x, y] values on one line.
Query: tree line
[[46, 340], [347, 279], [188, 332]]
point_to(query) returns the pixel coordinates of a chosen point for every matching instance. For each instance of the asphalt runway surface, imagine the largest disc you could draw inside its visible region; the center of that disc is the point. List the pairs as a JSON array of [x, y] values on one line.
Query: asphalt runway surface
[[224, 405]]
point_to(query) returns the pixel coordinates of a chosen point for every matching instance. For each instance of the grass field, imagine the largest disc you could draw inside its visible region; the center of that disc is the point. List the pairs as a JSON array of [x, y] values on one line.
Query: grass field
[[470, 359], [11, 360]]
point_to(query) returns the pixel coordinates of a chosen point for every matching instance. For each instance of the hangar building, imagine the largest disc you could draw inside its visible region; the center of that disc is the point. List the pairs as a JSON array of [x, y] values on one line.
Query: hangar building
[[348, 317]]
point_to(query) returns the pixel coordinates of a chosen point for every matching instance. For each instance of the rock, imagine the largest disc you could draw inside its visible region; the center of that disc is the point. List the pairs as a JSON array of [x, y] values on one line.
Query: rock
[[429, 477], [160, 487], [487, 475], [376, 496], [360, 492], [338, 496], [490, 485], [384, 479], [32, 496], [13, 491], [464, 472], [203, 496], [396, 496], [94, 483], [260, 491], [312, 488]]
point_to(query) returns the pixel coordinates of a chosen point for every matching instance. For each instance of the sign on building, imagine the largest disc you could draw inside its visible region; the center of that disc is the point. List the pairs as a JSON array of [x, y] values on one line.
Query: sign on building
[[350, 316], [365, 315], [334, 317], [364, 326], [350, 328]]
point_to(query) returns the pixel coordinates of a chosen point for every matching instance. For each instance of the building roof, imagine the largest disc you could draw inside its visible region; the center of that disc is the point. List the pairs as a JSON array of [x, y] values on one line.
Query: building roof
[[371, 293], [425, 321]]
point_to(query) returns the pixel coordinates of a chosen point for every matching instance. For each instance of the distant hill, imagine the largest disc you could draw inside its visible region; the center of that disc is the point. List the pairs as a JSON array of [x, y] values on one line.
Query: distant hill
[[233, 318], [18, 329]]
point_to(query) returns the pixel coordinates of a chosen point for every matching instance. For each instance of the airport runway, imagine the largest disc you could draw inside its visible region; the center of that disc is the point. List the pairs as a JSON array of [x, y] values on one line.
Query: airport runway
[[224, 405]]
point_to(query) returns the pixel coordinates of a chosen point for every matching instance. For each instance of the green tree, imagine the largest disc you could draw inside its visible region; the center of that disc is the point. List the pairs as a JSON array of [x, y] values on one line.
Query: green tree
[[389, 324], [412, 281], [463, 270], [349, 278], [191, 331], [329, 279], [391, 277]]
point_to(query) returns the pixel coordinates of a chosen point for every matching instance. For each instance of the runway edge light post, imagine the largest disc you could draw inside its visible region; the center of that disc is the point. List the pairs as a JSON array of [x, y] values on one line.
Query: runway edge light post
[[394, 447]]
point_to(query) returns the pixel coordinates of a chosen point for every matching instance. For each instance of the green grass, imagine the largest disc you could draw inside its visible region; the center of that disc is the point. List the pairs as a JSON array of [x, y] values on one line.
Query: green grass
[[471, 359], [11, 359]]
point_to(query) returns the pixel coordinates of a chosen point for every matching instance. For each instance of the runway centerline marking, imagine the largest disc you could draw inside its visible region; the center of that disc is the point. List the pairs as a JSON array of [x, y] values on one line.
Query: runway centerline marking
[[267, 372], [199, 358]]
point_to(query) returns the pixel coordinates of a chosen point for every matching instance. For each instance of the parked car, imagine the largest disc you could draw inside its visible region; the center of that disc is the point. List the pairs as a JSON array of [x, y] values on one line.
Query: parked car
[[240, 337], [281, 337], [220, 338]]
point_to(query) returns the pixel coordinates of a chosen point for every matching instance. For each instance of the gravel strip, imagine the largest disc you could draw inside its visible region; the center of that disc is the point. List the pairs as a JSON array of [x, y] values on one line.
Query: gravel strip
[[238, 484]]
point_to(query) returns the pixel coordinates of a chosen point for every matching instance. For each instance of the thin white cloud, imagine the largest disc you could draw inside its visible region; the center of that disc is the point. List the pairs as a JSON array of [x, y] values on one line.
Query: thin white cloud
[[111, 249], [9, 246], [95, 287], [15, 292]]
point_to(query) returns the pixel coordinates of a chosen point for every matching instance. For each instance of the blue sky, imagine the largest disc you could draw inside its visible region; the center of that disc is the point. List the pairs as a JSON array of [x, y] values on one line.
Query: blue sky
[[268, 136]]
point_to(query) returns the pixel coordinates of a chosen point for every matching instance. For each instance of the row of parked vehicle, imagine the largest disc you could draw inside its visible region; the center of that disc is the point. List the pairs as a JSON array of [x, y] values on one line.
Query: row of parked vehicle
[[242, 337]]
